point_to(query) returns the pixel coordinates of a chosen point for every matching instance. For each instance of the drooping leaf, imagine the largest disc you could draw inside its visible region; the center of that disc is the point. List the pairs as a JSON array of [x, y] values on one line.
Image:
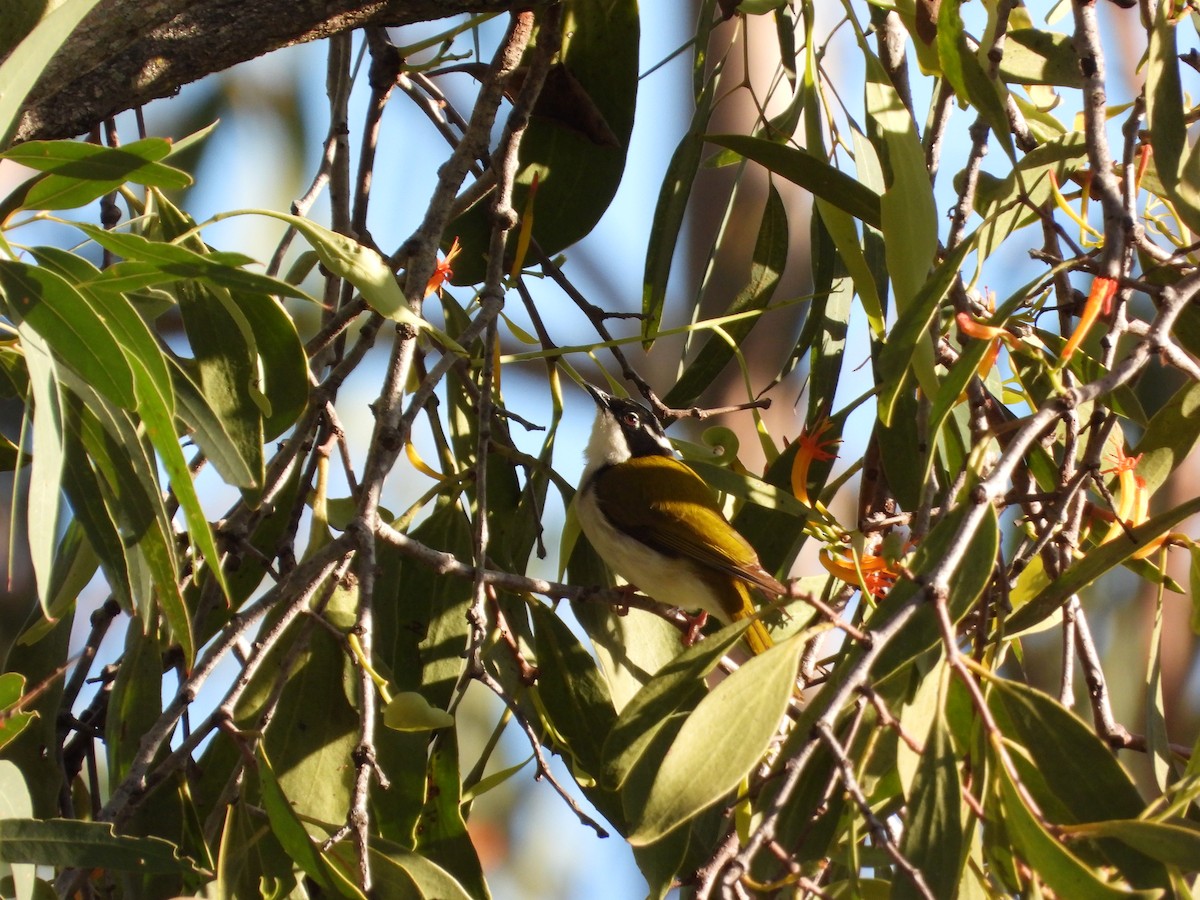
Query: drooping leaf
[[74, 331], [674, 687], [442, 835], [295, 840], [572, 690], [135, 702], [911, 333], [1176, 843], [670, 209], [1058, 867], [13, 721], [50, 449], [766, 267], [933, 833], [1175, 160], [403, 874], [410, 711], [814, 175], [963, 70], [156, 262], [721, 741]]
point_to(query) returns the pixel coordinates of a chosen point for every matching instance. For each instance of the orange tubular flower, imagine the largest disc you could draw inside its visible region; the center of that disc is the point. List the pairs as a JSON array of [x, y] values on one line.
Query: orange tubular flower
[[443, 272], [877, 575], [810, 447], [1133, 507], [1098, 301], [979, 331]]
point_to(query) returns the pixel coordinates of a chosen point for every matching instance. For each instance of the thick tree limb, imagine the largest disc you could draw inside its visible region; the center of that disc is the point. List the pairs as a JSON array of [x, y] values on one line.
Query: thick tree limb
[[126, 53]]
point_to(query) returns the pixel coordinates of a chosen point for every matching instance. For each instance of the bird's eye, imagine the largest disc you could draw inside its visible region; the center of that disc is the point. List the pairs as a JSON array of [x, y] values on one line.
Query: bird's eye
[[630, 419]]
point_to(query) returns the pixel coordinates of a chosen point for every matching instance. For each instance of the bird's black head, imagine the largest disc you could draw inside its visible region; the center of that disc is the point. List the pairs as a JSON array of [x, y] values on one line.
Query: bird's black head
[[624, 429]]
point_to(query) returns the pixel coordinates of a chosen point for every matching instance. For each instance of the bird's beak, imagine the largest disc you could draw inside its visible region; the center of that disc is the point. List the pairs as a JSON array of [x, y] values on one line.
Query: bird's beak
[[602, 399]]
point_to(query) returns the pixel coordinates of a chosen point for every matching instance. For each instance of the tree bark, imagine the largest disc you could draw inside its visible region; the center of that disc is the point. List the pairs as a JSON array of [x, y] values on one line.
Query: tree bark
[[128, 52]]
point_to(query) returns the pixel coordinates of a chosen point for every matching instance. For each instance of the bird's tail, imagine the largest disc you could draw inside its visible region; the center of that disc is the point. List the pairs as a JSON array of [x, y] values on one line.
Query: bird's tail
[[757, 637], [743, 609]]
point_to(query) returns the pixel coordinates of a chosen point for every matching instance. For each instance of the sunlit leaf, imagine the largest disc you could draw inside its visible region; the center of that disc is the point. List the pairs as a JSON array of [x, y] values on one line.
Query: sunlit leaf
[[295, 840], [721, 741]]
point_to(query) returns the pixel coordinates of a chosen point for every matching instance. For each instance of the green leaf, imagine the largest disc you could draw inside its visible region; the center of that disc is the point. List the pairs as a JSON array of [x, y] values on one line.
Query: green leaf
[[1169, 436], [1074, 778], [410, 711], [676, 686], [128, 477], [358, 264], [1085, 777], [12, 723], [1194, 585], [1036, 56], [135, 702], [577, 140], [908, 215], [64, 843], [282, 361], [749, 488], [441, 833], [402, 874], [79, 337], [670, 209], [766, 267], [49, 452], [829, 317], [963, 70], [91, 514], [814, 175], [226, 366], [572, 690], [157, 416], [295, 840], [1176, 843], [28, 60], [78, 173], [208, 431], [911, 331], [721, 742], [155, 262], [933, 829], [1058, 867], [1175, 161], [1095, 563], [128, 328], [16, 803], [250, 861]]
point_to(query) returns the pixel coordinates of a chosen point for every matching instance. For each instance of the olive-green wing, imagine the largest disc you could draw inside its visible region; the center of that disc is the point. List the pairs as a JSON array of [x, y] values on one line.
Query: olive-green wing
[[669, 507]]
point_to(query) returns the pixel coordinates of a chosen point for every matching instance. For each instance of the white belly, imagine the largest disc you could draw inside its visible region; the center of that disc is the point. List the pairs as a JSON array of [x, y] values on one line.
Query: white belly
[[667, 579]]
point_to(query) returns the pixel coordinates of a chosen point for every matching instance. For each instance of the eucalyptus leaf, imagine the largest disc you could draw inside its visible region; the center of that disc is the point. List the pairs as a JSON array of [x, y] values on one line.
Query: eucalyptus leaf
[[722, 740]]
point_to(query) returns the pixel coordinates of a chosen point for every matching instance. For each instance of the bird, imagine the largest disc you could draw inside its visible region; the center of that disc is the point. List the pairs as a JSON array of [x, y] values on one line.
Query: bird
[[658, 525]]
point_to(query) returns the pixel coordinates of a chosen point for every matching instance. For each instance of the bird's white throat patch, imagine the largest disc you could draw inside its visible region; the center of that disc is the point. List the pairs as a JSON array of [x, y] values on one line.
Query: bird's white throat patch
[[607, 445]]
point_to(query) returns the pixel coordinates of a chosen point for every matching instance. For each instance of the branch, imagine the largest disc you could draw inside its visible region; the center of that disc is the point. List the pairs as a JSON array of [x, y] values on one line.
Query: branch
[[125, 54]]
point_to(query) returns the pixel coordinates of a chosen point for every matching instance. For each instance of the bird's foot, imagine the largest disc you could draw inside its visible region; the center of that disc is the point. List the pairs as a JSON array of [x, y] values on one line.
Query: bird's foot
[[627, 591], [696, 625]]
